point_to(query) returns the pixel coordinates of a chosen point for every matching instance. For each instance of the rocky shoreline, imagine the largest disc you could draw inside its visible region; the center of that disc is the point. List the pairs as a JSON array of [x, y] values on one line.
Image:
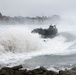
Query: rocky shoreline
[[17, 70]]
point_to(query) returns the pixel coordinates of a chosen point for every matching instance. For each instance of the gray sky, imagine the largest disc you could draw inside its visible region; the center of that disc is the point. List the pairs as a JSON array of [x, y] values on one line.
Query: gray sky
[[37, 7]]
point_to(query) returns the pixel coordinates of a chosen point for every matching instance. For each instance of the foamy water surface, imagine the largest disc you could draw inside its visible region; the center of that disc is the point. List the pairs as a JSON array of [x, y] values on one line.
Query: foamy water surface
[[18, 44]]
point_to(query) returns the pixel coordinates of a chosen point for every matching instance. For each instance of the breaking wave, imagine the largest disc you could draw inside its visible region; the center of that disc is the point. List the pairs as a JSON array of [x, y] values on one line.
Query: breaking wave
[[20, 39], [17, 44]]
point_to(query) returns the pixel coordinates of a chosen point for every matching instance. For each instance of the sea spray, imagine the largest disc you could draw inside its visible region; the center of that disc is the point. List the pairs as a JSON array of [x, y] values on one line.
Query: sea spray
[[18, 44], [18, 40]]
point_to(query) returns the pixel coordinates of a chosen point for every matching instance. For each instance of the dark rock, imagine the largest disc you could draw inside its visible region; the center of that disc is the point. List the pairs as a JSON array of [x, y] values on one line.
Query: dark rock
[[52, 72], [43, 68], [17, 67], [6, 71], [46, 33], [0, 15], [38, 71], [20, 72], [67, 72], [74, 68], [30, 73]]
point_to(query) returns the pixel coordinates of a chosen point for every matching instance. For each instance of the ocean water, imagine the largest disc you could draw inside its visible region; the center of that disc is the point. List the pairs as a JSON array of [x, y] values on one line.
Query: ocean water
[[19, 46]]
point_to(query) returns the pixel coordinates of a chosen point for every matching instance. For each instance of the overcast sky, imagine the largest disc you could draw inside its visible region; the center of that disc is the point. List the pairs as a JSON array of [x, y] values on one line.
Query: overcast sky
[[36, 7]]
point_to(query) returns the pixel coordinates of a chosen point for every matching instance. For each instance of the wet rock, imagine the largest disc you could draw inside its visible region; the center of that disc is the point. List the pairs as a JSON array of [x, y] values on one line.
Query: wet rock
[[67, 72], [6, 71], [17, 67], [74, 69], [30, 73], [43, 68], [46, 33], [20, 72], [39, 70], [50, 73]]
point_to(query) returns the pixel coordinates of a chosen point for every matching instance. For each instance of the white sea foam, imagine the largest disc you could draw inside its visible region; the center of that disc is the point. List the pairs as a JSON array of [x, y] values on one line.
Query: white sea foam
[[18, 40], [17, 43]]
